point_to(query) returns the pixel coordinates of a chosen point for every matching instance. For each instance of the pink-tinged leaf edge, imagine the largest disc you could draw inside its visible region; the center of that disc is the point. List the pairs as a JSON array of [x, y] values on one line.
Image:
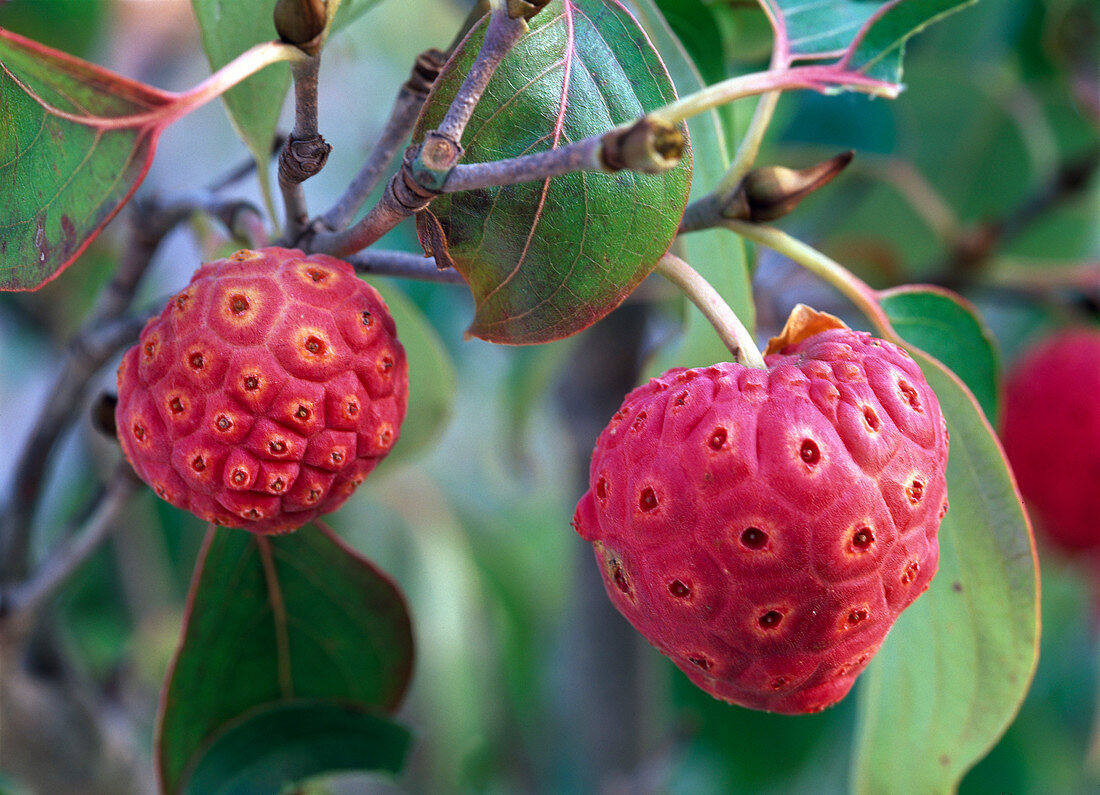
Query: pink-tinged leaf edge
[[156, 110]]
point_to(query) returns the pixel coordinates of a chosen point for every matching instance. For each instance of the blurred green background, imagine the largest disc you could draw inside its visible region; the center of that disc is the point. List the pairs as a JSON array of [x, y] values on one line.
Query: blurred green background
[[981, 176]]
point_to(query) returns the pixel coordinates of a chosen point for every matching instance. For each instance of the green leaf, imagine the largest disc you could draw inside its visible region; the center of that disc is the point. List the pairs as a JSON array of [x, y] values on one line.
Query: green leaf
[[351, 10], [75, 142], [715, 253], [431, 376], [935, 319], [288, 743], [272, 620], [546, 259], [957, 665], [875, 32], [229, 27]]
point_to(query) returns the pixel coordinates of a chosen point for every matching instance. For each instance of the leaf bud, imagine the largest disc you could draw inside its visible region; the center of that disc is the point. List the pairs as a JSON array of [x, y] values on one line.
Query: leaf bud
[[649, 145], [770, 192], [301, 22]]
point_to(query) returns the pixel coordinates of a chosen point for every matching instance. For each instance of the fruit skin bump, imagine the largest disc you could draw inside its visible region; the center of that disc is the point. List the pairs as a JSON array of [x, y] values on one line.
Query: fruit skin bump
[[265, 392], [1051, 435], [764, 529]]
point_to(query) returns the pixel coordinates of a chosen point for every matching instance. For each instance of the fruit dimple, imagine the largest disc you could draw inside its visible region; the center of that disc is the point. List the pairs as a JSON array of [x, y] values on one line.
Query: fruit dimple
[[863, 538], [647, 500], [809, 452], [219, 404], [770, 619], [717, 439], [754, 538], [679, 590]]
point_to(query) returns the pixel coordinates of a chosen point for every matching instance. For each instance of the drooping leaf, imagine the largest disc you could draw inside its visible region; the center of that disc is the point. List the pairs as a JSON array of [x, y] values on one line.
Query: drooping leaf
[[548, 258], [872, 33], [958, 663], [75, 142], [431, 376], [938, 320], [289, 743], [229, 27], [271, 621], [714, 253]]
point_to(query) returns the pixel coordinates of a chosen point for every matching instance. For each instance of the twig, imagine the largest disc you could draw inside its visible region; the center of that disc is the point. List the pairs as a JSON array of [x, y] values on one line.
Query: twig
[[501, 35], [96, 342], [729, 327], [20, 603], [403, 265], [305, 151], [406, 108]]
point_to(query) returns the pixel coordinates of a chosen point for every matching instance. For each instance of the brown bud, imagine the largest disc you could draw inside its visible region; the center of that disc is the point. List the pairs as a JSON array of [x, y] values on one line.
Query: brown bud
[[525, 9], [650, 146], [103, 414], [771, 192], [301, 22]]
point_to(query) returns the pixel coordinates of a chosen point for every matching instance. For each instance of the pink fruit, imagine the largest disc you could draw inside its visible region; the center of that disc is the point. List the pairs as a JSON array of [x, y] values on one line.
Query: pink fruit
[[265, 392], [764, 529], [1051, 435]]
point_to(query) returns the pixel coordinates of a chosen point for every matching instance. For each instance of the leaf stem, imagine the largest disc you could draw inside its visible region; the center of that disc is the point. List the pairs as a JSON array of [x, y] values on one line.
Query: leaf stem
[[729, 327], [854, 289], [817, 77]]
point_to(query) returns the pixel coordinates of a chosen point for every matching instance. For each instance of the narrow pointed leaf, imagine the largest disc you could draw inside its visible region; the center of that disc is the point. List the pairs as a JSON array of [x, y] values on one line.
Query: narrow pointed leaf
[[935, 319], [289, 743], [548, 258], [957, 665], [872, 34], [271, 621], [65, 167]]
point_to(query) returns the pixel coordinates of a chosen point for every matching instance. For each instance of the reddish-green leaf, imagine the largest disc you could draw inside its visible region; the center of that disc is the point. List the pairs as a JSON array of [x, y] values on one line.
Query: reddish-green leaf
[[272, 621], [955, 668], [869, 36], [75, 142], [546, 259]]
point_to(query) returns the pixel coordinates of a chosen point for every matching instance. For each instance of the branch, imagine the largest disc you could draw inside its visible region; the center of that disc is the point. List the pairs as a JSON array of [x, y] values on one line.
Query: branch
[[406, 108], [403, 265], [89, 350], [305, 151], [20, 603]]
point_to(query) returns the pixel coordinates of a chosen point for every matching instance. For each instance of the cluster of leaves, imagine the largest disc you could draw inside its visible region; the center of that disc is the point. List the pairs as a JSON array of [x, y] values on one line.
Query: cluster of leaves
[[312, 641]]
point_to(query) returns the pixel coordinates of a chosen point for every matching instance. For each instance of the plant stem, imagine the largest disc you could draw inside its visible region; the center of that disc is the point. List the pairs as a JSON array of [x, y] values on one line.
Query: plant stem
[[583, 155], [729, 327], [406, 107], [855, 290], [305, 151], [23, 601], [403, 265]]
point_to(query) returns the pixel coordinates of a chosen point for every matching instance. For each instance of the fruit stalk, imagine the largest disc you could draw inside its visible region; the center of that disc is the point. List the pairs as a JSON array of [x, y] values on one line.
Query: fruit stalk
[[729, 327]]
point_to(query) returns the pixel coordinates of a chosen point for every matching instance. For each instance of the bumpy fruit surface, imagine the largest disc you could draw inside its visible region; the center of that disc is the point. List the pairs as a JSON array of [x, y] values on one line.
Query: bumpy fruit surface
[[1051, 435], [265, 392], [764, 529]]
